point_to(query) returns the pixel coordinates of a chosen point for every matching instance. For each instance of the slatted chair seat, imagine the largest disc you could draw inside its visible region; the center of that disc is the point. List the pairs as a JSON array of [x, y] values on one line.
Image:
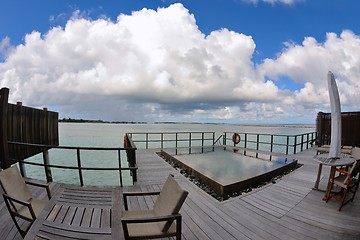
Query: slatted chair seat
[[37, 206], [163, 220], [144, 230]]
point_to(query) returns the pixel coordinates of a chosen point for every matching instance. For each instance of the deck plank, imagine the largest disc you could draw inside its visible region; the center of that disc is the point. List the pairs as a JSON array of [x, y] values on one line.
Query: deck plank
[[288, 209]]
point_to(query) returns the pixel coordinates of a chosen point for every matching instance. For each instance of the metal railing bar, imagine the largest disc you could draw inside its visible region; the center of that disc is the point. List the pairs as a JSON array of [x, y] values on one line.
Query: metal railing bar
[[75, 168]]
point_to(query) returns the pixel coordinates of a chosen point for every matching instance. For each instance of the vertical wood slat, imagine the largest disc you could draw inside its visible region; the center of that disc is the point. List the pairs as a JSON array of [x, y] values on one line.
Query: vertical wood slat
[[78, 216], [106, 218], [70, 215], [61, 215], [350, 128], [85, 222], [4, 149], [96, 218], [53, 213], [29, 125]]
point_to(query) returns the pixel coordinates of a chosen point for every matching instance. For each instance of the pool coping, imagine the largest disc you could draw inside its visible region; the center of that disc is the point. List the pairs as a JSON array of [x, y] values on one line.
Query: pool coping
[[225, 191]]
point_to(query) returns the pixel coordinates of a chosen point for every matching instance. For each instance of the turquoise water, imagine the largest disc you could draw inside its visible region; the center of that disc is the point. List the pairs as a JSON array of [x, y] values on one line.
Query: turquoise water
[[226, 168], [111, 135]]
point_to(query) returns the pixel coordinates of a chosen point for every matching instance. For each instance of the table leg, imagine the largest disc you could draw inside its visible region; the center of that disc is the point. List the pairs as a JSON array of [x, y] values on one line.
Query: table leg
[[316, 186], [328, 189]]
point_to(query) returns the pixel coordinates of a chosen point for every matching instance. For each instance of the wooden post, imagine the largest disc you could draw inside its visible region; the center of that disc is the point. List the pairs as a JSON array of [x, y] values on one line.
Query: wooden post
[[48, 173], [320, 128], [21, 164], [202, 142], [4, 148], [190, 143], [47, 168], [120, 173], [176, 143], [79, 167], [213, 149]]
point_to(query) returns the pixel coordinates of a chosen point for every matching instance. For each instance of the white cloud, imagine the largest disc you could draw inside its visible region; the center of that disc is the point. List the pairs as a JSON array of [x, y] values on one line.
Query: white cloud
[[5, 47], [309, 63], [157, 65]]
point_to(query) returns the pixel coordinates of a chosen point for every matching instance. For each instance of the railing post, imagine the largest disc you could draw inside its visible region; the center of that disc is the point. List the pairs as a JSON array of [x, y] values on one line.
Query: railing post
[[79, 167], [120, 173], [287, 144], [134, 157], [213, 142], [271, 142], [176, 143], [46, 167], [162, 140], [202, 142], [224, 140], [302, 142], [245, 143], [307, 141], [257, 144], [190, 143], [21, 164], [295, 143], [147, 140]]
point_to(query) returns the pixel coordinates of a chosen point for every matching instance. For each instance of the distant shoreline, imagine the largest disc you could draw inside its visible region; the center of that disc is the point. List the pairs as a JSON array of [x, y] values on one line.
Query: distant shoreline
[[70, 120]]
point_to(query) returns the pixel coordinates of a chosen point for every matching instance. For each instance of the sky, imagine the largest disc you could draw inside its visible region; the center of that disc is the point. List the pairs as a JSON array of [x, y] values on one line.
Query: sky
[[210, 61]]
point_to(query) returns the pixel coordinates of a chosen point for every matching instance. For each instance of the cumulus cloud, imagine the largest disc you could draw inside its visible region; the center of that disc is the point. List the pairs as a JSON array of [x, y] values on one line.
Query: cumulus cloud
[[139, 58], [309, 62], [156, 65]]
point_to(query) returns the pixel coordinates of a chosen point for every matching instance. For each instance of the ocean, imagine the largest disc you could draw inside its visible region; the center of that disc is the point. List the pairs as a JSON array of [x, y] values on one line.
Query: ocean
[[111, 135]]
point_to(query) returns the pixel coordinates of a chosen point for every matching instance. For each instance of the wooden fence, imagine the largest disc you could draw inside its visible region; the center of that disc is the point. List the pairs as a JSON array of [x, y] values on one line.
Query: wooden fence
[[26, 125], [350, 128]]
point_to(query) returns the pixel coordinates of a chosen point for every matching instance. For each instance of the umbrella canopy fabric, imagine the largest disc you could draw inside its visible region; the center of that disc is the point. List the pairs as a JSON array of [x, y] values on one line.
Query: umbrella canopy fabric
[[335, 145]]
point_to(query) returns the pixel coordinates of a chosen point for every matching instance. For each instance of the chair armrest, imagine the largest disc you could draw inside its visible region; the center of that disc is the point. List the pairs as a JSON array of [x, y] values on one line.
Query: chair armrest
[[132, 194], [39, 184], [342, 171], [9, 200], [151, 219], [25, 203], [175, 217]]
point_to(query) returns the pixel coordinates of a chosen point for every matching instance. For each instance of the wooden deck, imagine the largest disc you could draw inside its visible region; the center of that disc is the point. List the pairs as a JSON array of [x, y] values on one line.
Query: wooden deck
[[288, 209]]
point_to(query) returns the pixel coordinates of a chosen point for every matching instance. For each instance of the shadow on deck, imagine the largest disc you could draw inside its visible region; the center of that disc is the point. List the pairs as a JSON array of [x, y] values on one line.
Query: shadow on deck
[[288, 209]]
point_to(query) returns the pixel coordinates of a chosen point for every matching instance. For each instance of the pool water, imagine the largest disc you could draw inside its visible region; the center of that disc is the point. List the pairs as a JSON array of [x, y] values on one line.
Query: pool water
[[226, 167], [228, 172]]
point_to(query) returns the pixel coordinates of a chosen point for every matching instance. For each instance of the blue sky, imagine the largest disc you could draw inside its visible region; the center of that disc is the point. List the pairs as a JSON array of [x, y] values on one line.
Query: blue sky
[[236, 61]]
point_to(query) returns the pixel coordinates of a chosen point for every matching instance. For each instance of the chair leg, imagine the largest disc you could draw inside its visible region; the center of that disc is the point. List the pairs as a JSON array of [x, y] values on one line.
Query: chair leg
[[342, 199], [355, 189], [178, 228], [328, 191], [22, 232]]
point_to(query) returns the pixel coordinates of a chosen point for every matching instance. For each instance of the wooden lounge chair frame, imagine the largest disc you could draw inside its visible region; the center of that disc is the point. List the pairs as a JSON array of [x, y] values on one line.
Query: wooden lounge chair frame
[[168, 220], [13, 203], [326, 149], [346, 180]]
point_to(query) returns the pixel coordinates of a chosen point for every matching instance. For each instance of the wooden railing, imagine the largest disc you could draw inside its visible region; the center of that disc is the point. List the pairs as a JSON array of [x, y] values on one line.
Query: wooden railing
[[175, 140], [46, 164], [270, 143], [273, 143]]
